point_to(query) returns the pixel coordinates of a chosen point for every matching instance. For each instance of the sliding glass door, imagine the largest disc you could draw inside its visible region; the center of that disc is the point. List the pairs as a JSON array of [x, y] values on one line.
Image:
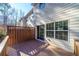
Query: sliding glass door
[[40, 32]]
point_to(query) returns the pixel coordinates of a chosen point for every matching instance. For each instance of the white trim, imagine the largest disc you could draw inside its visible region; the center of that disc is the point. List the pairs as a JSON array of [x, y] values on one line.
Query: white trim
[[49, 30], [45, 31], [68, 31], [54, 30], [35, 32], [61, 30]]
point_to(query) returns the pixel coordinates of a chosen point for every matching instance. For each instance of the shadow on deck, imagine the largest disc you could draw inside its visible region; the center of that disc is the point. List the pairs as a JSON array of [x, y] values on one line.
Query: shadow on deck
[[36, 48]]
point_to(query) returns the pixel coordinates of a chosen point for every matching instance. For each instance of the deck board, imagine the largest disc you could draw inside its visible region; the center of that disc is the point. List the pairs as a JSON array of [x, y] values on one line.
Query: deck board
[[53, 51]]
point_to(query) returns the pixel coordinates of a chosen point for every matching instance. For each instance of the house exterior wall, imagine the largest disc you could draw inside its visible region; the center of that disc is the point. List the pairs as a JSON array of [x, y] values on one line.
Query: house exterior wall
[[58, 12]]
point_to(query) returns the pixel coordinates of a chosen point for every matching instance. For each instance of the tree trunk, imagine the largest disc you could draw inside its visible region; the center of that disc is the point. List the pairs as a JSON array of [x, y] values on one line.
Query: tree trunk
[[5, 20]]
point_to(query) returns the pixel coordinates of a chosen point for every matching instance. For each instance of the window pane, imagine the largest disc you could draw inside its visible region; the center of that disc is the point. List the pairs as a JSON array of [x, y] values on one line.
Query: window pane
[[65, 25], [50, 26], [61, 25], [63, 35], [56, 26], [50, 33]]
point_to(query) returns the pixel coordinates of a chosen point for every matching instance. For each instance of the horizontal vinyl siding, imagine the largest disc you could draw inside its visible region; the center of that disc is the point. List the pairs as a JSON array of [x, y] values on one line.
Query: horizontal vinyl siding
[[68, 12], [74, 30], [62, 12]]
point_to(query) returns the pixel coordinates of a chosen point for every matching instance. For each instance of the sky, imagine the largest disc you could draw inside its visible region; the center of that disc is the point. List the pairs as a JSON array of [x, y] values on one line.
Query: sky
[[25, 7]]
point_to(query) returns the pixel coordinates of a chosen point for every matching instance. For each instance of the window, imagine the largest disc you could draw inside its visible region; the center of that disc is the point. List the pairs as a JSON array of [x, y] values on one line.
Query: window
[[60, 31], [41, 6], [50, 30]]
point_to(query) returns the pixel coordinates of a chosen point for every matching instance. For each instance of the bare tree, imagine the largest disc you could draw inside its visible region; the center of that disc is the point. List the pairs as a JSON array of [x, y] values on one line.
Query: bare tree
[[4, 10]]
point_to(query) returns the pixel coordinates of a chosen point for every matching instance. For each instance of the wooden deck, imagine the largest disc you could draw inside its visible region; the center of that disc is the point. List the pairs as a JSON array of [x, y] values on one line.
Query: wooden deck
[[35, 48], [19, 35]]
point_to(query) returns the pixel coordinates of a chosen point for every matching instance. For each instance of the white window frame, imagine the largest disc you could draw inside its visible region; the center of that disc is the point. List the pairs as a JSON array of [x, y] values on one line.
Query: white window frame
[[58, 30], [49, 30]]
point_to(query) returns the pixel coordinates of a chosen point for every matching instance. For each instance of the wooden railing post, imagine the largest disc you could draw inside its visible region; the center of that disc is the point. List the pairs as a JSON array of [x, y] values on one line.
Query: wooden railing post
[[76, 47]]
